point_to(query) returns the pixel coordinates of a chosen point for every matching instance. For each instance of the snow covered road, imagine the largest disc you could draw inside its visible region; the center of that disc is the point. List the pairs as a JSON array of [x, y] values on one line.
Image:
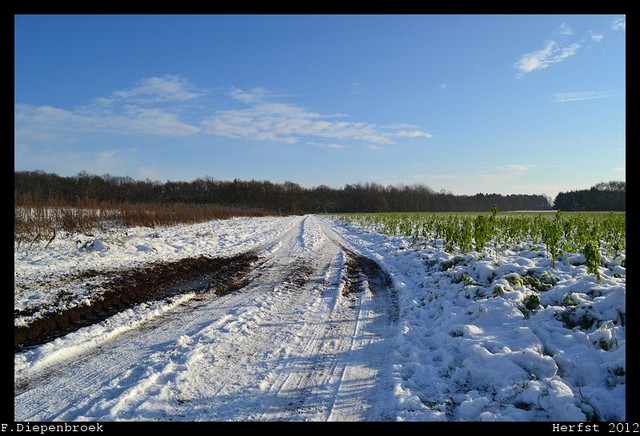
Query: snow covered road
[[305, 339]]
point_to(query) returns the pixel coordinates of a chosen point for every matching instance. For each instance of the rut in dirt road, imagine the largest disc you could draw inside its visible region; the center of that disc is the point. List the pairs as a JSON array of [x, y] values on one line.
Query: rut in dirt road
[[360, 269]]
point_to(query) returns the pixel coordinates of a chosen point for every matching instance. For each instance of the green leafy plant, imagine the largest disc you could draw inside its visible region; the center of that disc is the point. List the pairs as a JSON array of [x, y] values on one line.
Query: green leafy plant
[[567, 301], [515, 279], [552, 236], [592, 259], [532, 302], [482, 231]]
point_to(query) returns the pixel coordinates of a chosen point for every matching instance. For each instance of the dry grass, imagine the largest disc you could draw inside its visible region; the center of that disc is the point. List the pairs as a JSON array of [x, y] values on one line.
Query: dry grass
[[36, 221]]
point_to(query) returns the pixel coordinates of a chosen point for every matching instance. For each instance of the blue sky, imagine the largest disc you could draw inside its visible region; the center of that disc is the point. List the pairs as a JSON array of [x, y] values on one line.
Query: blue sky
[[506, 104]]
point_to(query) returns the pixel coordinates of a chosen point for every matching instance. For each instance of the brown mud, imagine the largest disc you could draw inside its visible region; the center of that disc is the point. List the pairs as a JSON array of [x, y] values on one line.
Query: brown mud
[[218, 275], [360, 269]]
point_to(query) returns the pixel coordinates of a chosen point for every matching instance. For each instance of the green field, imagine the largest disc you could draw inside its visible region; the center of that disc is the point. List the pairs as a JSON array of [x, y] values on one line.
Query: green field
[[592, 234]]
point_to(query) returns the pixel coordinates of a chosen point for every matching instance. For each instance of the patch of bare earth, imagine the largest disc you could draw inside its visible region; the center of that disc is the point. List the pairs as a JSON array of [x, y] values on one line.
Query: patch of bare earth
[[217, 275], [360, 269]]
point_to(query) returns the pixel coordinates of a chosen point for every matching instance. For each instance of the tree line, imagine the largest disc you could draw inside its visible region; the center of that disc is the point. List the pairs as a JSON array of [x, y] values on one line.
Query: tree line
[[284, 198], [602, 196]]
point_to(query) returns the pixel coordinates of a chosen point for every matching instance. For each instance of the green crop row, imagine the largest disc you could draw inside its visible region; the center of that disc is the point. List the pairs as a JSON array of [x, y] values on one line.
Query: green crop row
[[592, 234]]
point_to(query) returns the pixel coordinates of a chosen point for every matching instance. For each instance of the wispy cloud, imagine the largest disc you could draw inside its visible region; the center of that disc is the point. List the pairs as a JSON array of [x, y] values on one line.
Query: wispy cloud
[[123, 111], [131, 119], [443, 86], [32, 136], [619, 24], [160, 89], [287, 123], [326, 145], [514, 170], [508, 171], [564, 97], [356, 88], [41, 114], [114, 156], [619, 169], [254, 95], [413, 134], [596, 37], [564, 30], [494, 179], [156, 121], [142, 110], [551, 54], [282, 122]]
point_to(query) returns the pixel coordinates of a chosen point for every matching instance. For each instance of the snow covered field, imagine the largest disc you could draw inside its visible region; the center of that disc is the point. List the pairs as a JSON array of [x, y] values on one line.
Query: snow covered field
[[318, 334]]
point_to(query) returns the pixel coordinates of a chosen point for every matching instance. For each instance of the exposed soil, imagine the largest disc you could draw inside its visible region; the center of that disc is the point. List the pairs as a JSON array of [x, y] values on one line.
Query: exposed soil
[[135, 286], [361, 268]]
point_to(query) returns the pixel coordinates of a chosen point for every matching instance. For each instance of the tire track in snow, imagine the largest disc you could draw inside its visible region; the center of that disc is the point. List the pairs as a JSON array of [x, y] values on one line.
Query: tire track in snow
[[290, 384], [294, 277], [324, 384]]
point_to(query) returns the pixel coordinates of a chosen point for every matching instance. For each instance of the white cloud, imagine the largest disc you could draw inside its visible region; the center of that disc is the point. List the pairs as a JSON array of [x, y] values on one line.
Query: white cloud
[[133, 120], [281, 122], [495, 179], [254, 95], [120, 112], [32, 136], [413, 134], [326, 145], [288, 123], [619, 169], [564, 97], [160, 89], [619, 24], [262, 119], [502, 172], [514, 170], [107, 156], [564, 30], [41, 114], [356, 88], [443, 86], [157, 121], [399, 126], [551, 54], [596, 37], [112, 157]]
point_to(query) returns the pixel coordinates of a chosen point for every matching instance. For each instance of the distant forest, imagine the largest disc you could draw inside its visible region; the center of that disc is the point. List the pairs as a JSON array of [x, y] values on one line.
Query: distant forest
[[284, 198], [603, 196]]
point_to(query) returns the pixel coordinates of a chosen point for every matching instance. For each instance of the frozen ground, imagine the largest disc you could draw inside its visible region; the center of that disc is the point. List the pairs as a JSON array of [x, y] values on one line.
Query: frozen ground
[[332, 322]]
